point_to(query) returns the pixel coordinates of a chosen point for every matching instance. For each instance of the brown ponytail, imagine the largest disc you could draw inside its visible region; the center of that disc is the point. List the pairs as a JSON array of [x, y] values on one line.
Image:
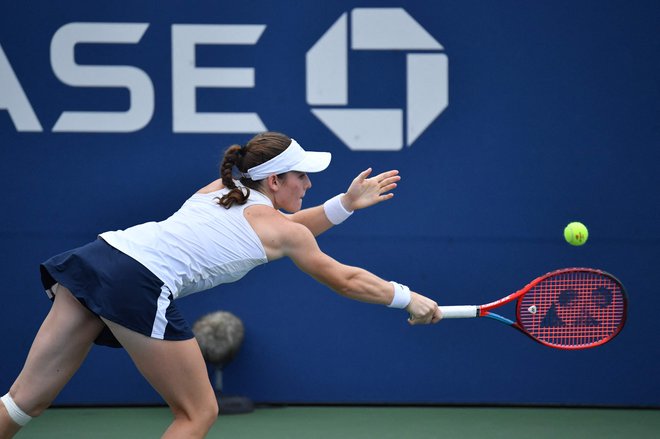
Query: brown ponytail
[[230, 160], [258, 150]]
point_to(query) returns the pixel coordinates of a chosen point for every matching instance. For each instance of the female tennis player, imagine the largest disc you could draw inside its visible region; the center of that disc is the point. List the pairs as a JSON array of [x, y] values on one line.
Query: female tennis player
[[120, 289]]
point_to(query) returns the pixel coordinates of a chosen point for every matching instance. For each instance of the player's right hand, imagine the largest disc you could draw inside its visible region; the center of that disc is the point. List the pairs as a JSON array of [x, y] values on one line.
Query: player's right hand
[[422, 310]]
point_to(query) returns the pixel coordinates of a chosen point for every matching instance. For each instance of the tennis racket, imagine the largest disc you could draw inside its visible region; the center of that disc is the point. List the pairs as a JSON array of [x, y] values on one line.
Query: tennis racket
[[572, 308]]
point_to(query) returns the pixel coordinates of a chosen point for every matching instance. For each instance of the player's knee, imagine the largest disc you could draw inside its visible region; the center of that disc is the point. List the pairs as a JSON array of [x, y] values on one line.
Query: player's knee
[[209, 412], [38, 408], [23, 414], [203, 415], [31, 404]]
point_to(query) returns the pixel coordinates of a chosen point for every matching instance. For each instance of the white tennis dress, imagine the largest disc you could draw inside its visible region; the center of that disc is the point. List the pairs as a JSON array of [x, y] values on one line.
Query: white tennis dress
[[200, 246]]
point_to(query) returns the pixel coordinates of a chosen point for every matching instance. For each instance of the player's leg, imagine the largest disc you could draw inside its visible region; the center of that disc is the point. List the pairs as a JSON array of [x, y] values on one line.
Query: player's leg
[[58, 350], [177, 371]]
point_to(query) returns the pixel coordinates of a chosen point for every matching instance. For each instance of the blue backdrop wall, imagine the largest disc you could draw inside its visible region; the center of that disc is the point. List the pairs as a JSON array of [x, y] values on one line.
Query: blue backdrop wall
[[552, 115]]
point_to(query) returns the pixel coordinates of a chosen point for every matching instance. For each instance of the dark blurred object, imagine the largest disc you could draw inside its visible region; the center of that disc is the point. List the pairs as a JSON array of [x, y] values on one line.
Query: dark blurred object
[[220, 335]]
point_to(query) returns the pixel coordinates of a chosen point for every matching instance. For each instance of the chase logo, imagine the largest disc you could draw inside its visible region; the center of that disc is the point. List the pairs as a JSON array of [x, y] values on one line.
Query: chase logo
[[326, 81], [376, 129]]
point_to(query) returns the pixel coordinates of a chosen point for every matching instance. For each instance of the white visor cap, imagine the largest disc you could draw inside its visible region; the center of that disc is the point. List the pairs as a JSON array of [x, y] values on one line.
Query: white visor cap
[[293, 158]]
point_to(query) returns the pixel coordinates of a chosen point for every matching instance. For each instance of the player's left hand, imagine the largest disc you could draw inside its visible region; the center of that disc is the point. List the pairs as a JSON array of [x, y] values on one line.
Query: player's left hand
[[364, 192]]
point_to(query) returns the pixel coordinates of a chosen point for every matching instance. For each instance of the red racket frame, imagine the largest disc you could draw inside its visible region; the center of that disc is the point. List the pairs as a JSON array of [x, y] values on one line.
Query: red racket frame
[[486, 310]]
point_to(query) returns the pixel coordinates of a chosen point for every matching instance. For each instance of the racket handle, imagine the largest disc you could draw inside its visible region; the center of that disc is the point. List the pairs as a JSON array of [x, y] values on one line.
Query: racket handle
[[459, 312]]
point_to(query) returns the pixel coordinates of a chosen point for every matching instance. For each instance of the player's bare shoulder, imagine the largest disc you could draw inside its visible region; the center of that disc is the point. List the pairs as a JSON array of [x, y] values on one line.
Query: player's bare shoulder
[[275, 230], [214, 186]]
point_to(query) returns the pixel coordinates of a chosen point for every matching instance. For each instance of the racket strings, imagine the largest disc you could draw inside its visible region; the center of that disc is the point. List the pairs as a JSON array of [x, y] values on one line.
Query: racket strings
[[573, 309]]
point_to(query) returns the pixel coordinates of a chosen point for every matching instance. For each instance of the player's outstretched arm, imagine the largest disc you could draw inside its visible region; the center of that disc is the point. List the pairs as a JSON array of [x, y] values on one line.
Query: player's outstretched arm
[[364, 191], [353, 282]]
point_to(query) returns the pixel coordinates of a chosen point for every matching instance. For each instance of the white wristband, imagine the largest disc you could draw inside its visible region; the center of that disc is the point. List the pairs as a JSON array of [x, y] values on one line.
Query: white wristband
[[401, 296], [335, 211]]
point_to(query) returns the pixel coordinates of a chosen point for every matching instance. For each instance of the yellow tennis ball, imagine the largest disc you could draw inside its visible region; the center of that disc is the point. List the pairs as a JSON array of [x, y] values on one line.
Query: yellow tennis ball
[[576, 233]]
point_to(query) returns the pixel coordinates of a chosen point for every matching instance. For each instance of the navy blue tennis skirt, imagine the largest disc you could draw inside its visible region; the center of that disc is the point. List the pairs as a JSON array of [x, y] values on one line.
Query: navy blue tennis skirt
[[115, 286]]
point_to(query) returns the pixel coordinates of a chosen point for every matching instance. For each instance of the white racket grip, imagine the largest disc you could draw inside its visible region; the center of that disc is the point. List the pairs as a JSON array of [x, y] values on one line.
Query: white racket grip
[[459, 312]]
